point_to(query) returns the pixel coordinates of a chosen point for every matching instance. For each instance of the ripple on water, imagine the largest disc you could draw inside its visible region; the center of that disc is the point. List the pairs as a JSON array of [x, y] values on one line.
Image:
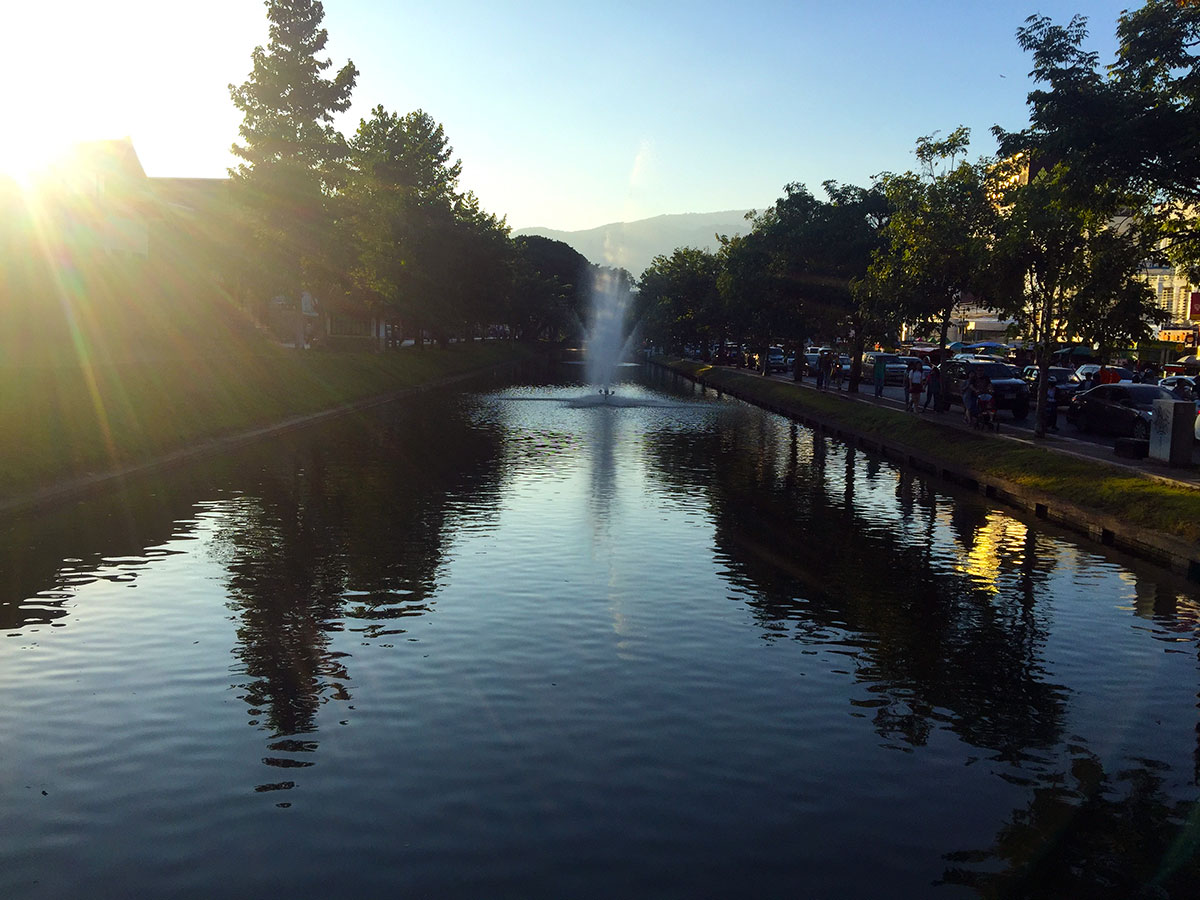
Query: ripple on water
[[517, 648]]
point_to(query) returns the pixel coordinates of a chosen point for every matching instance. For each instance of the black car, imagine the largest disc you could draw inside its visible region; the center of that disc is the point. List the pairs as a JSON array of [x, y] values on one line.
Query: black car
[[1123, 409], [1064, 381], [1010, 391]]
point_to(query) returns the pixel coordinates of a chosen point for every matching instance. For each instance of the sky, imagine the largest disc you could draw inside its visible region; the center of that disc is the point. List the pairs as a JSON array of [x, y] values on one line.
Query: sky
[[565, 115]]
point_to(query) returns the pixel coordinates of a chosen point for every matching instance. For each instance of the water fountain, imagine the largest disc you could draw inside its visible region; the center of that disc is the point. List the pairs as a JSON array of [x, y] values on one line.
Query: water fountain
[[606, 343]]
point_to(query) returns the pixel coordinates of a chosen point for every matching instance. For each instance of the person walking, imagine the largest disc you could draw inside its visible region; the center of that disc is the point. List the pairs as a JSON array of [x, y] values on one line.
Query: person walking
[[934, 387], [1052, 403], [916, 375], [879, 372], [970, 401]]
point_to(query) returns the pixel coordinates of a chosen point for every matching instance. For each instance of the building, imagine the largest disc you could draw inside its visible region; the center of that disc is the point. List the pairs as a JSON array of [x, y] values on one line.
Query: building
[[1173, 293], [97, 199]]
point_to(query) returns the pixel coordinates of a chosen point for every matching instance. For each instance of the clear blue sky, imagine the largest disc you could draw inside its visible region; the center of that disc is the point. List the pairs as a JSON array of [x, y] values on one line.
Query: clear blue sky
[[565, 115]]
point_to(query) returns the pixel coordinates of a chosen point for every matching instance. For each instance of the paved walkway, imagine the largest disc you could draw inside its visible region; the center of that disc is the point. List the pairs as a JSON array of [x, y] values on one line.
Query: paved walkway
[[1060, 442]]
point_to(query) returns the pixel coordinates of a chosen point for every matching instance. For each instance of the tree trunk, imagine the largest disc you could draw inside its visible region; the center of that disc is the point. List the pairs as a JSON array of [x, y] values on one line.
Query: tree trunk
[[940, 403], [1043, 363], [856, 351]]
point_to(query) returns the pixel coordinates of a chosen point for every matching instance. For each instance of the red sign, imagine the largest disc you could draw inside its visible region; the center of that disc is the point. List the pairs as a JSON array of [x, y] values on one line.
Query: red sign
[[1194, 307]]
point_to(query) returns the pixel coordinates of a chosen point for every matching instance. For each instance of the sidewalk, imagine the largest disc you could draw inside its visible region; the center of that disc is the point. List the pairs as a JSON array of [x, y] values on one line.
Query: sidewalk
[[1059, 442]]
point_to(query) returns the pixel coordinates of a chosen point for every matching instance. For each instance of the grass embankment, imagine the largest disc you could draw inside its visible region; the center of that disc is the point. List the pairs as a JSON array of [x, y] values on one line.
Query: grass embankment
[[1107, 489], [59, 421]]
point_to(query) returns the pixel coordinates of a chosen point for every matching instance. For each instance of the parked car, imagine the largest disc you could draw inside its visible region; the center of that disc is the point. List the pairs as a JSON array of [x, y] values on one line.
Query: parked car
[[1009, 390], [730, 355], [894, 369], [1082, 372], [776, 361], [1064, 381], [1123, 409], [909, 360], [1183, 386], [812, 359]]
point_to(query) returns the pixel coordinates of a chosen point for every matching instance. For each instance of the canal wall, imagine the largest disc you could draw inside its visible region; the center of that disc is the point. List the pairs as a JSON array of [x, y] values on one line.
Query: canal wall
[[1169, 551]]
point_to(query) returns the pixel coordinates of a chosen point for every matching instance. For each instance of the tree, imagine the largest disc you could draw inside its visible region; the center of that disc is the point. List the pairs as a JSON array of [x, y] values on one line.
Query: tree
[[425, 249], [401, 195], [291, 152], [679, 302], [1157, 75], [1061, 264], [1134, 131], [1100, 187], [550, 290], [816, 252], [936, 247], [480, 284]]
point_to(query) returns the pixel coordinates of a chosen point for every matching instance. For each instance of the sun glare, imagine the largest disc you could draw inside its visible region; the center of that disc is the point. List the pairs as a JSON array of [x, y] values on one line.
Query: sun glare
[[24, 162]]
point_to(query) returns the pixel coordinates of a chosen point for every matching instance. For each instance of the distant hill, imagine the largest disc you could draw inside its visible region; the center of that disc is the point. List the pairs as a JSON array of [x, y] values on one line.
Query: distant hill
[[632, 245]]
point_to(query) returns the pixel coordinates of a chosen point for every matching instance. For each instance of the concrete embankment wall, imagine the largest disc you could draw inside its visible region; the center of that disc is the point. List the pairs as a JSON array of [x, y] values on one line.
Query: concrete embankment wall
[[1176, 554]]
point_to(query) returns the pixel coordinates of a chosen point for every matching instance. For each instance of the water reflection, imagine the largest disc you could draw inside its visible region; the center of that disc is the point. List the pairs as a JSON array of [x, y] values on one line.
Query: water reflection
[[110, 537], [1087, 833], [337, 539], [679, 644], [940, 631], [945, 608]]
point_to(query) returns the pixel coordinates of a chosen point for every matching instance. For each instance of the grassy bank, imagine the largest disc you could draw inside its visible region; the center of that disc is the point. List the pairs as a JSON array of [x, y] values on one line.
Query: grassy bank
[[63, 420], [1110, 490]]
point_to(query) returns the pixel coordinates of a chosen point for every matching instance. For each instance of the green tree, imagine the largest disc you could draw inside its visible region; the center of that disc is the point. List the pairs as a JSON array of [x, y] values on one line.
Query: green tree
[[480, 283], [1061, 263], [292, 154], [937, 243], [1104, 178], [550, 289], [1156, 128], [424, 249], [401, 193], [679, 302], [817, 251]]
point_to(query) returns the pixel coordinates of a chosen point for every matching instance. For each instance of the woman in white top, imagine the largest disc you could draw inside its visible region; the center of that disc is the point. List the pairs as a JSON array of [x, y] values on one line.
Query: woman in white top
[[915, 378]]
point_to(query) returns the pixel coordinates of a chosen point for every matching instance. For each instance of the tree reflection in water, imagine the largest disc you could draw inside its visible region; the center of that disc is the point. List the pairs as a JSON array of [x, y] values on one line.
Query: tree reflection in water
[[931, 644], [954, 641], [1090, 835], [342, 533]]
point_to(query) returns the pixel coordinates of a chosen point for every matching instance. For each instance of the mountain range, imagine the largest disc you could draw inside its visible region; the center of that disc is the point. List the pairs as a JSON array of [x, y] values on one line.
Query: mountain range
[[632, 245]]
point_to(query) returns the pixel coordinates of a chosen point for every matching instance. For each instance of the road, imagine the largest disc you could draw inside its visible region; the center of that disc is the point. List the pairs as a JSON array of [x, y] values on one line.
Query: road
[[1067, 435]]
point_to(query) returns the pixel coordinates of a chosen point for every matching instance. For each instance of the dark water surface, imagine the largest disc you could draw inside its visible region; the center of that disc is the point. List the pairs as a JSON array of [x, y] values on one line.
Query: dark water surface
[[490, 645]]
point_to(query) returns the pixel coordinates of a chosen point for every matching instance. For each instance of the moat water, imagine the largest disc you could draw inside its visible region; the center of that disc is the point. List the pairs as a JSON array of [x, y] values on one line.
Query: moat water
[[503, 644]]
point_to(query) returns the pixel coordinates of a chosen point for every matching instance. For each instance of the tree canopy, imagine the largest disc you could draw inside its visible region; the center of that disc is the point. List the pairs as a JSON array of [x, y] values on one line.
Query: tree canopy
[[291, 151]]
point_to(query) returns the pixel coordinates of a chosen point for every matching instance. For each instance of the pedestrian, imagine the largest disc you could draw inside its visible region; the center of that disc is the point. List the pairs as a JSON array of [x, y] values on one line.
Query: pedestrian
[[826, 369], [837, 372], [970, 401], [879, 371], [916, 376], [985, 405], [1052, 403], [934, 384]]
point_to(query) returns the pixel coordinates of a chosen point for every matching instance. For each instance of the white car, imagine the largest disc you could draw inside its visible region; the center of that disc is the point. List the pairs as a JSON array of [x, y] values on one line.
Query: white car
[[1082, 372], [1185, 388]]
